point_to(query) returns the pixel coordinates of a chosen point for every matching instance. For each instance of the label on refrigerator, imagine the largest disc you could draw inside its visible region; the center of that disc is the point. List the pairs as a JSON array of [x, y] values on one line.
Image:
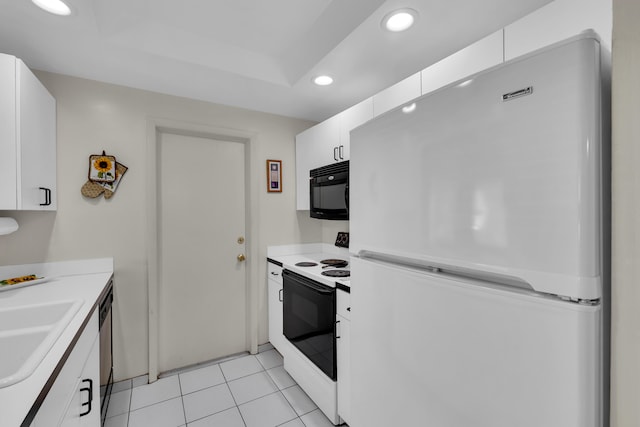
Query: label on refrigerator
[[517, 93]]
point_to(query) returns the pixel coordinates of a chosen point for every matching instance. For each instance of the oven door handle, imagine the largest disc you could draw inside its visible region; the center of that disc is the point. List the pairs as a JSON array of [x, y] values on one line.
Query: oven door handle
[[299, 280], [317, 289]]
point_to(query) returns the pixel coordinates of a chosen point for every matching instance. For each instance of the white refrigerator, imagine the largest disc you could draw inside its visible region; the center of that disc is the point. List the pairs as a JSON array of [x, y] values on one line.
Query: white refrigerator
[[478, 227]]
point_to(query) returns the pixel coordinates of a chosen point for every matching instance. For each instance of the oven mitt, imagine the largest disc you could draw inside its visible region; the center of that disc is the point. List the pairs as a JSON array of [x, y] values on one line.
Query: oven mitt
[[92, 189], [110, 187]]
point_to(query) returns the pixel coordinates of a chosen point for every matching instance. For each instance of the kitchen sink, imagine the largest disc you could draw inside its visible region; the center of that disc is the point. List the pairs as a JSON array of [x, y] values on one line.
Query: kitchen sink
[[27, 333]]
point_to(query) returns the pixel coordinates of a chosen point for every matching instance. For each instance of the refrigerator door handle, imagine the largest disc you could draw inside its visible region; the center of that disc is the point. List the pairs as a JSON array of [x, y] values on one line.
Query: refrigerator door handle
[[473, 277]]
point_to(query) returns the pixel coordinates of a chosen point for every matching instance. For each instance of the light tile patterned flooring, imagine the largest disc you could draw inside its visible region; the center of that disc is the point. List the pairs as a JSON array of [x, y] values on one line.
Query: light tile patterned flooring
[[249, 391]]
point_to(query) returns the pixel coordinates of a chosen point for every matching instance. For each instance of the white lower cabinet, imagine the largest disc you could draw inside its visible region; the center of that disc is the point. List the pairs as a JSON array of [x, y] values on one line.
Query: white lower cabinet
[[274, 299], [343, 353], [74, 398]]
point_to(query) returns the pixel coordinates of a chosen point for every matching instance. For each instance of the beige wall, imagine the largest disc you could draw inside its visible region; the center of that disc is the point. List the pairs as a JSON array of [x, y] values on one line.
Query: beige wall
[[93, 117], [625, 374]]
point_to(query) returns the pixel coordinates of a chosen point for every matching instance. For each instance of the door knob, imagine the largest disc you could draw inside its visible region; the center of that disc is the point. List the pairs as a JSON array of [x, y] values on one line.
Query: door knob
[[241, 257]]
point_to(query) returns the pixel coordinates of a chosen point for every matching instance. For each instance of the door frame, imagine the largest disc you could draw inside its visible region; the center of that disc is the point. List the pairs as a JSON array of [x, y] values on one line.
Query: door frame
[[156, 126]]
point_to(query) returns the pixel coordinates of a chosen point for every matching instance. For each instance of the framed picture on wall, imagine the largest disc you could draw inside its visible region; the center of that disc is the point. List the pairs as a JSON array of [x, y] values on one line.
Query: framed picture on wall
[[274, 176]]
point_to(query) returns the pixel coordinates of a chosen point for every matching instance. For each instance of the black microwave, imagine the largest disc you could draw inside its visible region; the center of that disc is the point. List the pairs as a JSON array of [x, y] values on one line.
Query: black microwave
[[329, 191]]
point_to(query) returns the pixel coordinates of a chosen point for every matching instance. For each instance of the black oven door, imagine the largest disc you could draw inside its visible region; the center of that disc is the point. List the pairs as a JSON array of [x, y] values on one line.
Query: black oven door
[[309, 314]]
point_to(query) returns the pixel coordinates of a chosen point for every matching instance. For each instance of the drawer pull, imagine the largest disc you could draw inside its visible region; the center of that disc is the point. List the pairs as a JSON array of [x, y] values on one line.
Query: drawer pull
[[47, 196], [88, 402]]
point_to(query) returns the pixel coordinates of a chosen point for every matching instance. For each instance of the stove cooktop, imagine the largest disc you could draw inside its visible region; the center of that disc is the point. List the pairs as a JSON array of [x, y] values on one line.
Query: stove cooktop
[[325, 268]]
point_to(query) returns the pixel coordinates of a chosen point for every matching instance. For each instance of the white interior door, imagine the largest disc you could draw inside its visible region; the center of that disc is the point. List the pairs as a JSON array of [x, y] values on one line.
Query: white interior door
[[201, 223]]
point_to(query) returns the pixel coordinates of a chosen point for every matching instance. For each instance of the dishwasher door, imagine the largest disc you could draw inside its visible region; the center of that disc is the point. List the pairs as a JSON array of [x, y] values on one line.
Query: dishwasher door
[[106, 351]]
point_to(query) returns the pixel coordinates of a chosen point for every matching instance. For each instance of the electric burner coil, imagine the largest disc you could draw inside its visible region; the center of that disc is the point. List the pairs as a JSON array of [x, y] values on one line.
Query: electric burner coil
[[306, 264]]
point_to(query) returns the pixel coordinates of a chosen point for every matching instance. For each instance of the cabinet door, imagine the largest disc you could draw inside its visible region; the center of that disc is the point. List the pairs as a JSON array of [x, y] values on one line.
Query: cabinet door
[[89, 390], [557, 21], [70, 418], [84, 408], [483, 54], [8, 153], [64, 400], [275, 314], [350, 119], [314, 148], [36, 141], [343, 356]]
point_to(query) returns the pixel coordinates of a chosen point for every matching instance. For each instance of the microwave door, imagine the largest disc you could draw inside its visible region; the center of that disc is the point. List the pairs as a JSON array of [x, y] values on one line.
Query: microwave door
[[329, 196], [330, 200]]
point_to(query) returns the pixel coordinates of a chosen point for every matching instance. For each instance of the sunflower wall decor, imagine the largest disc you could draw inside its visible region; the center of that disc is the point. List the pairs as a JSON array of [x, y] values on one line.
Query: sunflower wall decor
[[105, 174], [102, 168]]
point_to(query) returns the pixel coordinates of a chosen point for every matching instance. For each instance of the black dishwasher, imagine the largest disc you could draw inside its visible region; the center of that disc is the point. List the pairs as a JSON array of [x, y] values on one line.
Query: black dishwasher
[[106, 350]]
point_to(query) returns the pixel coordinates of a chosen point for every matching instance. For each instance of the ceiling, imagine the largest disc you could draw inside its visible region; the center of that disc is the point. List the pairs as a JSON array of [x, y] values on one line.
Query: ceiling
[[253, 54]]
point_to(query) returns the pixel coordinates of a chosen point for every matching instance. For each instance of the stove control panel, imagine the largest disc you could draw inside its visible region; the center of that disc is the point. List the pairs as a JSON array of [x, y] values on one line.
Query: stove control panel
[[342, 241]]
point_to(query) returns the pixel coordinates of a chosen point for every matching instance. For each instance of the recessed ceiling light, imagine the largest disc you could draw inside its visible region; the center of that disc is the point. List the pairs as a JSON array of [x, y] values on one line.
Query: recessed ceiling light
[[323, 80], [399, 20], [57, 7]]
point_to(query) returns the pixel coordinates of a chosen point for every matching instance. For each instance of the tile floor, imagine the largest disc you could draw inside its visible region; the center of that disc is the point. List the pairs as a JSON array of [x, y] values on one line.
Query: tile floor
[[248, 391]]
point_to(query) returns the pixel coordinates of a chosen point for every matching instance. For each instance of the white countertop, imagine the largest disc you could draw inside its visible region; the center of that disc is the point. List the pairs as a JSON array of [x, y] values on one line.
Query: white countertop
[[289, 255], [68, 280]]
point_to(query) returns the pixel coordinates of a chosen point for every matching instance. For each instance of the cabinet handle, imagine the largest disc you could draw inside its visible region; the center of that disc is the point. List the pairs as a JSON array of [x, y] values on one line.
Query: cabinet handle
[[273, 273], [88, 402], [335, 153], [47, 196], [341, 152], [280, 295], [348, 308], [335, 329]]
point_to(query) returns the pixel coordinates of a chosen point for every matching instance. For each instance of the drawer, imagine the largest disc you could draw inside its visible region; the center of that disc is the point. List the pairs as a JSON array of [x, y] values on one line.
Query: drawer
[[343, 304], [274, 272]]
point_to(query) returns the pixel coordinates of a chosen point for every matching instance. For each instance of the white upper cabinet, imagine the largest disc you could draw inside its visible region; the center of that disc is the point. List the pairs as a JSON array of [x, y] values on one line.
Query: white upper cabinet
[[483, 54], [557, 21], [27, 139], [396, 95], [326, 143], [314, 147], [350, 119]]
